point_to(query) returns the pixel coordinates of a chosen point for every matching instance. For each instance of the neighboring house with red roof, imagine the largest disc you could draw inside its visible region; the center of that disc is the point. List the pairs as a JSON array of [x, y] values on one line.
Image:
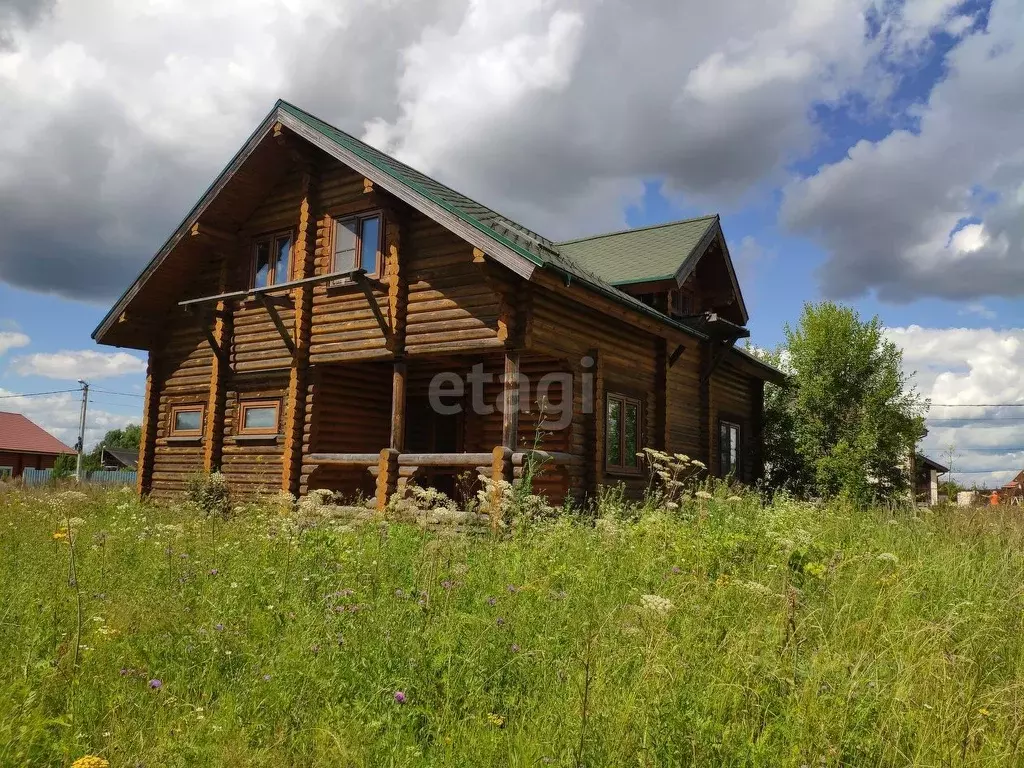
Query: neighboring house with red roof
[[24, 445]]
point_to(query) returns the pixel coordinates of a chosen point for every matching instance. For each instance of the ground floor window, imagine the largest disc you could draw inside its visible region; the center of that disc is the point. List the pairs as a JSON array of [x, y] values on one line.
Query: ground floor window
[[623, 433], [186, 421], [6, 472], [259, 417], [729, 447]]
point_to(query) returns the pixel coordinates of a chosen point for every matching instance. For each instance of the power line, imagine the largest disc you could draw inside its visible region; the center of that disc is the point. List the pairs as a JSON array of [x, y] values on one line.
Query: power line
[[120, 394], [39, 394]]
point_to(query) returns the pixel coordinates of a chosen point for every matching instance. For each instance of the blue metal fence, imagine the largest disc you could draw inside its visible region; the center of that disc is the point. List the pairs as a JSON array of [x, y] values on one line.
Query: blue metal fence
[[97, 477]]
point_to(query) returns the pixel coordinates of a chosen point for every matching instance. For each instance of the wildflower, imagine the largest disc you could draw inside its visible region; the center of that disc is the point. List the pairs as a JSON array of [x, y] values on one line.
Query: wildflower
[[447, 584], [266, 678], [703, 495], [399, 594], [512, 588], [514, 648], [496, 720], [500, 622], [90, 761], [734, 499], [219, 627], [983, 711], [656, 603], [314, 649], [214, 571], [400, 697], [492, 601], [676, 570], [61, 535], [156, 684], [888, 557]]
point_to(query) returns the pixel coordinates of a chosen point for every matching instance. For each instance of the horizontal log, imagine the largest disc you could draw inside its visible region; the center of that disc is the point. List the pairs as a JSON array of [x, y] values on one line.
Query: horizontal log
[[343, 459], [558, 458]]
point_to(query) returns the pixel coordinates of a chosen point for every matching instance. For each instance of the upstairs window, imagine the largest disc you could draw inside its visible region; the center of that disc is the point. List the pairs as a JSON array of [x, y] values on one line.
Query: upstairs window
[[357, 244], [623, 435], [259, 417], [272, 259], [186, 421], [729, 447]]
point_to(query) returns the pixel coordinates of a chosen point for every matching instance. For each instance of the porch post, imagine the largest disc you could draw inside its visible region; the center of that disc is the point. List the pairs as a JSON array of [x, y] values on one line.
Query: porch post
[[150, 417], [510, 400], [387, 477], [398, 406]]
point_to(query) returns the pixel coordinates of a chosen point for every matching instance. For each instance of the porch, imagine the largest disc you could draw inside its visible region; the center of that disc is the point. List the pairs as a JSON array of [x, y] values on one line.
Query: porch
[[374, 428]]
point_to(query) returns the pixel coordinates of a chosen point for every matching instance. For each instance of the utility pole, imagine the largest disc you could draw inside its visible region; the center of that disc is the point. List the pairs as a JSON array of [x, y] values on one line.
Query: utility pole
[[81, 430]]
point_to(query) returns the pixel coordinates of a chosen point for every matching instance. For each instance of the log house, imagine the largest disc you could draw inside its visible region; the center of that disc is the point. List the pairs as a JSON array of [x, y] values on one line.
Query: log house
[[310, 321]]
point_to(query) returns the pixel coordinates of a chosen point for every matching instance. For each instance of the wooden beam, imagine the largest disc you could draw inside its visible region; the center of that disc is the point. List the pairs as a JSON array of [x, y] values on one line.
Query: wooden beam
[[217, 400], [367, 186], [398, 379], [364, 284], [295, 401], [202, 229], [676, 354], [278, 322], [150, 424], [510, 400], [387, 477]]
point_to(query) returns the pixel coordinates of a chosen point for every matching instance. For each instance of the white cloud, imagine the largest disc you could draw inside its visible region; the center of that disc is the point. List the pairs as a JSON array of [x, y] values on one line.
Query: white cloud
[[937, 208], [981, 373], [979, 309], [59, 415], [554, 111], [79, 364], [12, 339]]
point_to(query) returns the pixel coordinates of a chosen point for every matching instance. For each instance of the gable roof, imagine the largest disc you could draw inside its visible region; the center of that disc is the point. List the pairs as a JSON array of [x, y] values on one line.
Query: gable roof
[[19, 435], [126, 457], [511, 244], [664, 247]]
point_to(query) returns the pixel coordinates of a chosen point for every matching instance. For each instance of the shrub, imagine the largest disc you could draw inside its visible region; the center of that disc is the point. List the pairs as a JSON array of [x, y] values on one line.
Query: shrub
[[208, 492]]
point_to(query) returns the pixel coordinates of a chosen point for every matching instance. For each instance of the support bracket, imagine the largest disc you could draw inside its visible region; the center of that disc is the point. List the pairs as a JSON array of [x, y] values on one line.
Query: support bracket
[[364, 284], [269, 305]]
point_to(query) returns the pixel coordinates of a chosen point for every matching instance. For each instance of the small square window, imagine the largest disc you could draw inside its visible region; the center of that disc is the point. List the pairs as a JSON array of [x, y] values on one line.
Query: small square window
[[6, 473], [357, 243], [259, 417], [272, 259], [186, 421]]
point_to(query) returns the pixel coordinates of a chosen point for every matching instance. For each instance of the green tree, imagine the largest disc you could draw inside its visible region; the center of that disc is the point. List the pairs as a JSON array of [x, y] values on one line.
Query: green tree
[[849, 417]]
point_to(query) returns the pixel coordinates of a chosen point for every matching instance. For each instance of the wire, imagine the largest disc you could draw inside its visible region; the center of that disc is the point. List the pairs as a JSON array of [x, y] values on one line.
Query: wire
[[977, 405], [120, 394], [39, 394]]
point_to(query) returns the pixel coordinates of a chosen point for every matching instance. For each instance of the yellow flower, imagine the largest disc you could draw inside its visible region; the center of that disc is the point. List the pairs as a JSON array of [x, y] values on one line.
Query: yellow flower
[[91, 761], [496, 720], [61, 535]]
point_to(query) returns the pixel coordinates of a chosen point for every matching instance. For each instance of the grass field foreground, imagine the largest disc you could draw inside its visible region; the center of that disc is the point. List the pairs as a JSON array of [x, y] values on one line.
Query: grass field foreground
[[721, 633]]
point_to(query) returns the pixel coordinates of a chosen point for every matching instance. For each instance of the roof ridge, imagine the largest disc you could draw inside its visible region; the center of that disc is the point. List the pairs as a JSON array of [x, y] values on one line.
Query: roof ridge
[[544, 242], [630, 230]]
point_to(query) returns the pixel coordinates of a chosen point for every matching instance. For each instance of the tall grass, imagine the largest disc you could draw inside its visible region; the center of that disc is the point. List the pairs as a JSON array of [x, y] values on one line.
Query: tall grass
[[726, 633]]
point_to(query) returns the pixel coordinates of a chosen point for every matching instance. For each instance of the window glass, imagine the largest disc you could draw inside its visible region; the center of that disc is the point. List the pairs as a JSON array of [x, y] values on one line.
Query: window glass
[[613, 437], [188, 421], [260, 418], [284, 251], [729, 447], [369, 242], [630, 442], [345, 245], [261, 273], [6, 471]]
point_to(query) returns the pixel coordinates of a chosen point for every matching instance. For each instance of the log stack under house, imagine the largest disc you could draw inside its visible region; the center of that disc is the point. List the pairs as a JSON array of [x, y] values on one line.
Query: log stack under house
[[328, 317]]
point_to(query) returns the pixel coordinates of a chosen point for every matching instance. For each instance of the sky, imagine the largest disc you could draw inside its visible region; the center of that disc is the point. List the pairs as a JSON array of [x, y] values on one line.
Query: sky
[[863, 151]]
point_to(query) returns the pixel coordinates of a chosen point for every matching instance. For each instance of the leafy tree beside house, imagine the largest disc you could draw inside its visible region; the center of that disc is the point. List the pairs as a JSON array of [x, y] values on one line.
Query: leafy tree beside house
[[849, 417], [128, 438]]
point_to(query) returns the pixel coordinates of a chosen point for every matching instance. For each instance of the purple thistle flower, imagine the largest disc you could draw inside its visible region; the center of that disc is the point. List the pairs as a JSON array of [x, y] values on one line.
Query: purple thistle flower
[[214, 571], [400, 697], [513, 588], [399, 594], [676, 569], [492, 601], [124, 671], [219, 627], [315, 649], [514, 648], [447, 584], [155, 684], [266, 678], [500, 622]]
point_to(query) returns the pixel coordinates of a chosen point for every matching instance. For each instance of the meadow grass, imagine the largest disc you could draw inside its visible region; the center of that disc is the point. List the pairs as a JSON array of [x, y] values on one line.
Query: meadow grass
[[724, 633]]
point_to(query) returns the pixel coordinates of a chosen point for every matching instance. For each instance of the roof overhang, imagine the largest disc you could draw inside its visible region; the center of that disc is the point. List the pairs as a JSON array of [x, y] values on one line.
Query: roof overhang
[[713, 235]]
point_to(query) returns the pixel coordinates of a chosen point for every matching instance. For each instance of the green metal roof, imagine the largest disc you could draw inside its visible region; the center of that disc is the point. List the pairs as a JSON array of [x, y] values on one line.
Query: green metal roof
[[643, 254]]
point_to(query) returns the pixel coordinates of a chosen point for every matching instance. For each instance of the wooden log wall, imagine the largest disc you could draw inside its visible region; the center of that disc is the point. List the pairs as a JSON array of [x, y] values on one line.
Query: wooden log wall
[[254, 465], [683, 399], [626, 363], [733, 396]]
